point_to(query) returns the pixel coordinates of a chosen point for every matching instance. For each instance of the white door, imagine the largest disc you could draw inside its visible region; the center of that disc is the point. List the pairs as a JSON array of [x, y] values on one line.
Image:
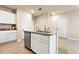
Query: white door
[[62, 26]]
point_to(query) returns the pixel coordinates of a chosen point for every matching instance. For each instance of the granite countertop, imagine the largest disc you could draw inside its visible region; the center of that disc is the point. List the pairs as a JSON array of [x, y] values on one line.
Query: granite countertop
[[41, 33]]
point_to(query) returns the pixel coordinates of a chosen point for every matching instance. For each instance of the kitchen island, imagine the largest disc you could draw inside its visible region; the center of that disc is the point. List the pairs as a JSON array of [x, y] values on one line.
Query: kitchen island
[[40, 42]]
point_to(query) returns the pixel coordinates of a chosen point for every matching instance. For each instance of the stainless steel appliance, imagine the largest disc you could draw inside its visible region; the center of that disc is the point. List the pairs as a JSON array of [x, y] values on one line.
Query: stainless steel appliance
[[27, 39]]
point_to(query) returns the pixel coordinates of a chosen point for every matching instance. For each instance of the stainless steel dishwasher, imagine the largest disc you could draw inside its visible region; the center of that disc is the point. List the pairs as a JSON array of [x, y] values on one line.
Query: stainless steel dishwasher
[[27, 39]]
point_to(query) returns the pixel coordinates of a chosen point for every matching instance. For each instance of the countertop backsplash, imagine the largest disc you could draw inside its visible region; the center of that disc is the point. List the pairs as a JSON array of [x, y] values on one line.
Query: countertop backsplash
[[7, 27]]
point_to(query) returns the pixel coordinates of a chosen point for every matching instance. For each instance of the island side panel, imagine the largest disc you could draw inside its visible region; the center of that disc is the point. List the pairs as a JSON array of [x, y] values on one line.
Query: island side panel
[[53, 44]]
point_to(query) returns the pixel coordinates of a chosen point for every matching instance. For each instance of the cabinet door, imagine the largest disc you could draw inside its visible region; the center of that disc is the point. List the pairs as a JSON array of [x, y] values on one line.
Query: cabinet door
[[11, 36], [7, 17], [53, 44], [7, 36], [43, 47], [39, 46], [34, 44], [11, 18], [3, 37]]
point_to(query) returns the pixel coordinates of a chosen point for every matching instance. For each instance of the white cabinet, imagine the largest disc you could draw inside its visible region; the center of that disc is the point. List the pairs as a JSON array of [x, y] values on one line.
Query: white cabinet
[[3, 36], [11, 19], [43, 47], [43, 44], [34, 44], [39, 44], [11, 35], [6, 36], [7, 17], [53, 44]]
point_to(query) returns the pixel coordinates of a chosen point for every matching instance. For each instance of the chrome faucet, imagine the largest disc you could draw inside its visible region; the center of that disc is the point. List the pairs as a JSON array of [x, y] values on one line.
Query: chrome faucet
[[45, 28]]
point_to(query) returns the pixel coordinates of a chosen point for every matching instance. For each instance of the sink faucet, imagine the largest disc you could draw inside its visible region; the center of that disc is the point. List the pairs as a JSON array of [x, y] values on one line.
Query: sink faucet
[[45, 28]]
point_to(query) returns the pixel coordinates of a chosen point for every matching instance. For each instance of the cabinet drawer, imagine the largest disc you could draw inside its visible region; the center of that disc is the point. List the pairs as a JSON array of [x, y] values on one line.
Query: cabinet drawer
[[40, 36], [43, 41], [39, 46]]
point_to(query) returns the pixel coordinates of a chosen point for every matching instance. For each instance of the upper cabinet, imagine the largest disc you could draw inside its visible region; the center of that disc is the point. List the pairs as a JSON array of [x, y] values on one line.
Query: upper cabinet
[[7, 17]]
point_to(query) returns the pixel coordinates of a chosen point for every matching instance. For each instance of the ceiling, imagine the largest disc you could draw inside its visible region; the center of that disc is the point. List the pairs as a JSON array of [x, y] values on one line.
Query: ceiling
[[45, 8]]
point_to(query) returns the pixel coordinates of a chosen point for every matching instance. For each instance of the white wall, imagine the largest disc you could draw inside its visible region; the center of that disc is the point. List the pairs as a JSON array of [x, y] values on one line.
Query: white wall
[[74, 25], [24, 22], [62, 26], [19, 28], [27, 22], [71, 45], [44, 20], [68, 25]]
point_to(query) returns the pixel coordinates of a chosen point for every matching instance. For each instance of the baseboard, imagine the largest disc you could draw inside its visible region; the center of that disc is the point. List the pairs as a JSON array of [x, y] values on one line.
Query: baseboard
[[63, 37]]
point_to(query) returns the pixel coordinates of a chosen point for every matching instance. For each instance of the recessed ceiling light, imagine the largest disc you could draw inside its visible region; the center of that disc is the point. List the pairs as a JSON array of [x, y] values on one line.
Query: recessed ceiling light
[[53, 13], [32, 11]]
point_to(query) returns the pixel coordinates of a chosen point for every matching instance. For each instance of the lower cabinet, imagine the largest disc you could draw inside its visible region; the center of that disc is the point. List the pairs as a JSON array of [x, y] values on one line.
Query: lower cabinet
[[6, 36], [39, 45], [34, 45], [43, 47], [43, 44], [3, 37], [11, 35]]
